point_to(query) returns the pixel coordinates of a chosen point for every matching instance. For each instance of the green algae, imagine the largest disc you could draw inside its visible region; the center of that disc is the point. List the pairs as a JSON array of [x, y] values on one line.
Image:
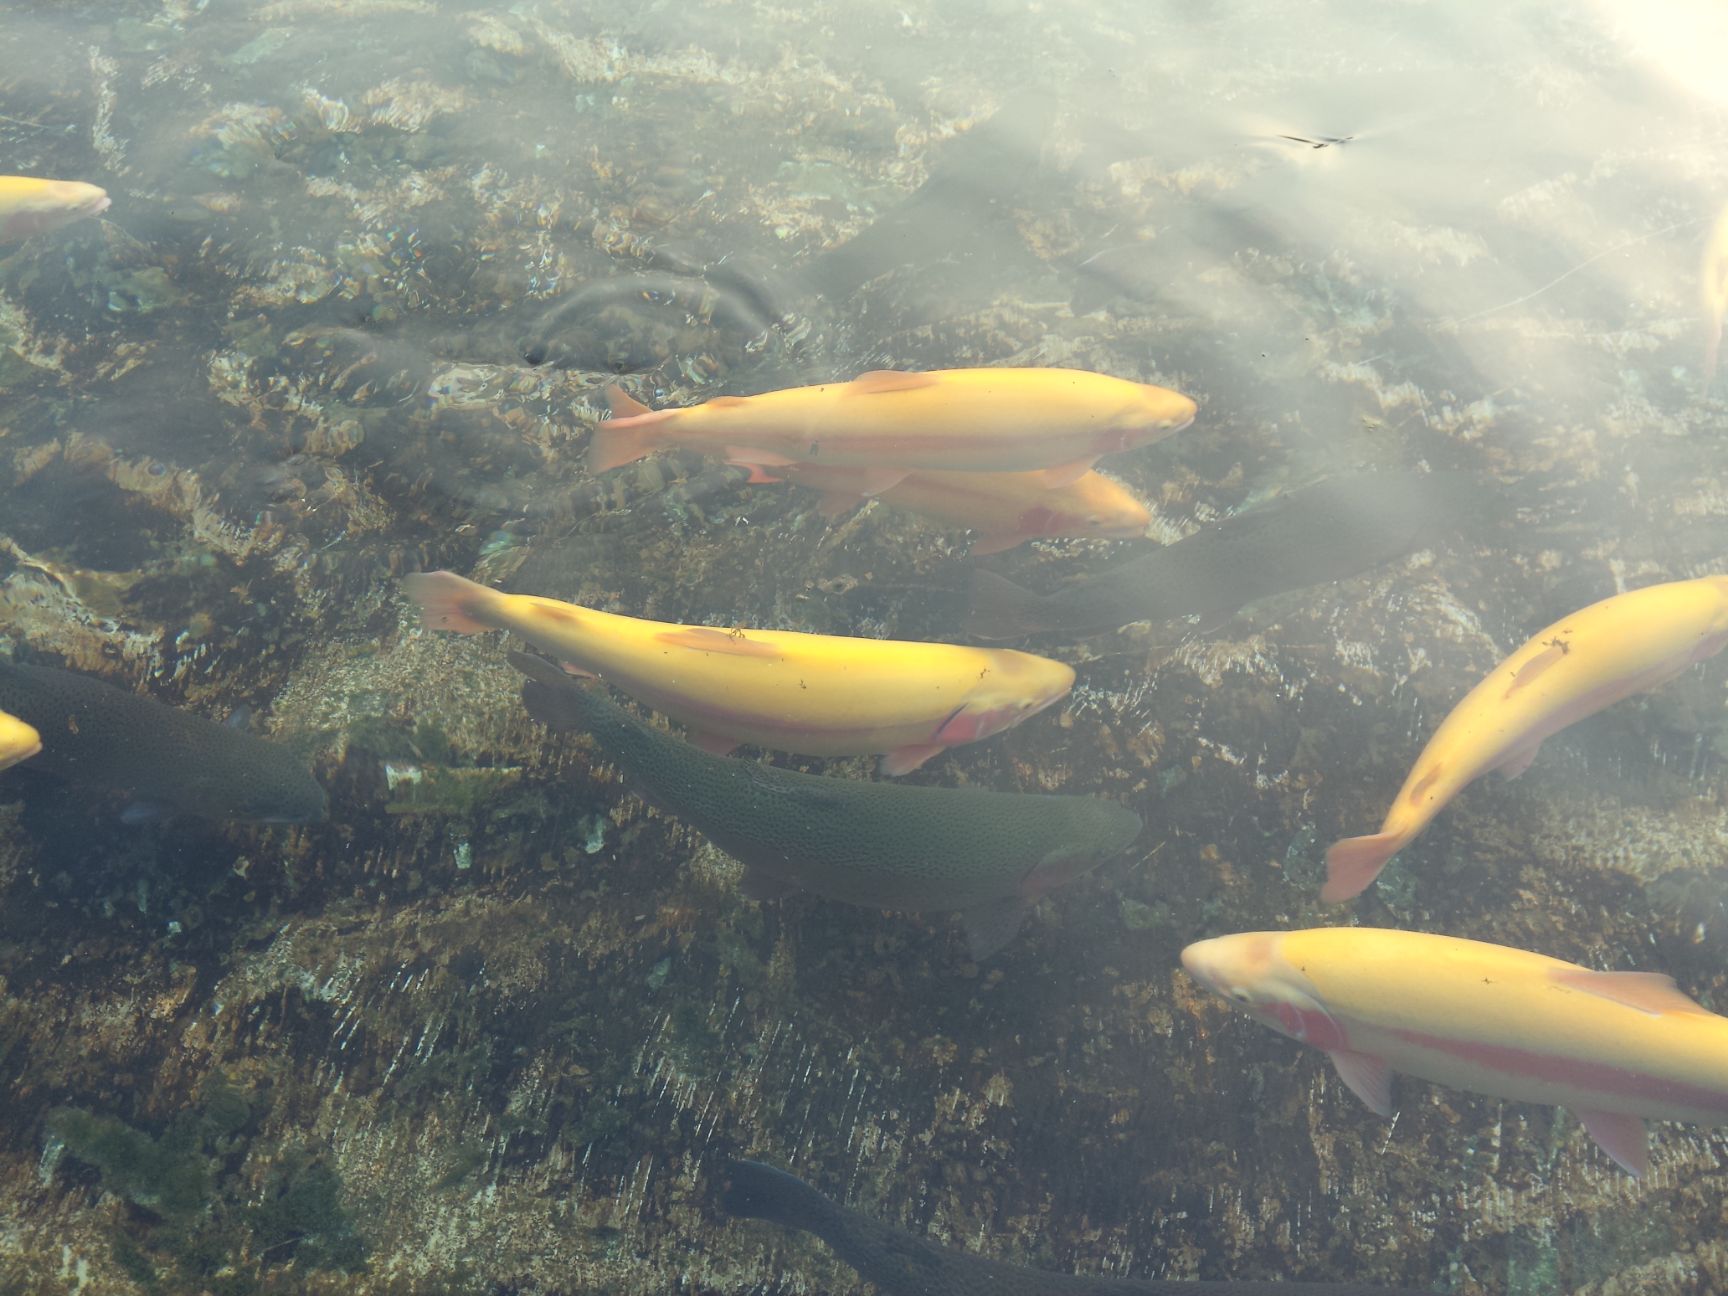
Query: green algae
[[192, 1227]]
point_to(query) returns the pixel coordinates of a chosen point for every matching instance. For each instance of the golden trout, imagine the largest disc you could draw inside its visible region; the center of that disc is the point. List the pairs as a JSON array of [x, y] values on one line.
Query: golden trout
[[822, 695], [31, 206], [1058, 421], [18, 741], [1626, 644], [1004, 509], [1617, 1048]]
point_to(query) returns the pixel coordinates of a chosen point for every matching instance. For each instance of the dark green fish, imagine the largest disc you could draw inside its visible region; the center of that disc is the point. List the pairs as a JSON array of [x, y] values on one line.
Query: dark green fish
[[96, 735], [989, 855], [903, 1265], [1323, 532]]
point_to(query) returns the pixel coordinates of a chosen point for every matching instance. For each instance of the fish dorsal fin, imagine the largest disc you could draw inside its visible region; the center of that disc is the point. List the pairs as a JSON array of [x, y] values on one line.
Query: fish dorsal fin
[[1069, 473], [1368, 1077], [1538, 665], [1650, 992], [734, 643], [881, 381]]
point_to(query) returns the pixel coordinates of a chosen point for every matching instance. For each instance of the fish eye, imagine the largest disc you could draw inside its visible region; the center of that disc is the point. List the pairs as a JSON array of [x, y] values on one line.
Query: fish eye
[[1239, 995]]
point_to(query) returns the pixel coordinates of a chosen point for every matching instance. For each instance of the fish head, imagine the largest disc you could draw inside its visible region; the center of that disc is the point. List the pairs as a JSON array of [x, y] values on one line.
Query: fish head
[[1097, 831], [49, 204], [1017, 686], [1153, 414], [1250, 971]]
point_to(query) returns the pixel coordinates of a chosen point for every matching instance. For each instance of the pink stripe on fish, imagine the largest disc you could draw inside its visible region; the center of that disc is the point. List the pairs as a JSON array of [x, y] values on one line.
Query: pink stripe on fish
[[1598, 1077]]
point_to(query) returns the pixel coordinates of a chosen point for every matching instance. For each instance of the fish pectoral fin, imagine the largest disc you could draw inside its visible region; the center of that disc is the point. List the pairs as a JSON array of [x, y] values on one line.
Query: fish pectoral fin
[[1622, 1137], [1366, 1076], [880, 381], [1649, 992], [873, 481], [734, 643], [903, 760], [758, 885], [576, 672], [751, 457], [1518, 760], [990, 926], [758, 477], [727, 402], [1069, 473], [712, 743]]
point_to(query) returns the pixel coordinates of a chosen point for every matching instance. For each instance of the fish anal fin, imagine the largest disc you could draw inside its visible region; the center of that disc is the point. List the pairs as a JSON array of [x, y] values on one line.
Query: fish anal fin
[[751, 457], [1622, 1137], [903, 760], [992, 925], [1068, 473], [1538, 666], [1649, 992], [1354, 863], [712, 743], [1518, 760], [994, 543], [734, 643], [759, 885], [879, 381], [834, 504], [1366, 1076]]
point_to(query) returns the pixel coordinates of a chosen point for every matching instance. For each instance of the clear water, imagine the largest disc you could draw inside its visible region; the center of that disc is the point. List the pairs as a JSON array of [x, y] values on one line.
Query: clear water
[[494, 1026]]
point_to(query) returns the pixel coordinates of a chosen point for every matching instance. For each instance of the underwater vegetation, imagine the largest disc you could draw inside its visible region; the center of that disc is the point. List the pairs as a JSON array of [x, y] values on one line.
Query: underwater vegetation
[[450, 1008]]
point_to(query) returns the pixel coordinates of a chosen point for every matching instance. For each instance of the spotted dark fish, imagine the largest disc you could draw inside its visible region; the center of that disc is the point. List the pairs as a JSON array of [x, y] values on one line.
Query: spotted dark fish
[[99, 736], [988, 855], [901, 1264]]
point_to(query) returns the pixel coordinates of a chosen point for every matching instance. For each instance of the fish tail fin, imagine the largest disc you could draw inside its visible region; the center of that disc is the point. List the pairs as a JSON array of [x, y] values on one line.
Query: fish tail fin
[[751, 1190], [1354, 863], [449, 602], [622, 439], [1000, 609]]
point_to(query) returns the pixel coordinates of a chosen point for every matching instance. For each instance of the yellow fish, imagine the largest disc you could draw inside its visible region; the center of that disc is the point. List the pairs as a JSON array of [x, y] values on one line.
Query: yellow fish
[[822, 695], [18, 741], [1617, 1048], [31, 206], [1626, 644], [1005, 509], [1058, 421], [1715, 283]]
